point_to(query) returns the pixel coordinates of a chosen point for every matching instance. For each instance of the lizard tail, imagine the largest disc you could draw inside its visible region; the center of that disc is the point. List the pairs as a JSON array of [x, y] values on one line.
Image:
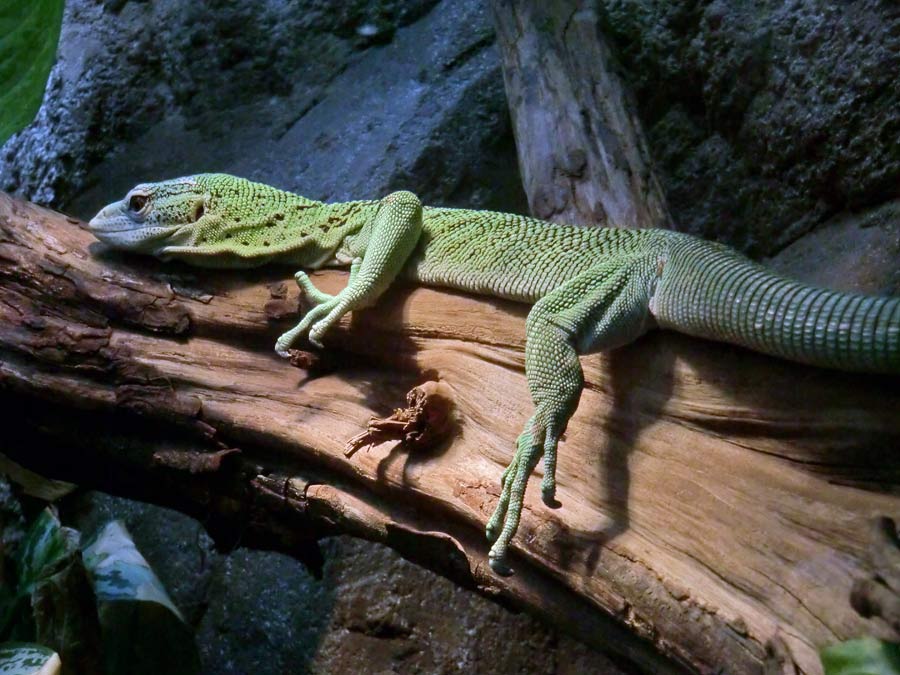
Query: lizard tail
[[713, 292]]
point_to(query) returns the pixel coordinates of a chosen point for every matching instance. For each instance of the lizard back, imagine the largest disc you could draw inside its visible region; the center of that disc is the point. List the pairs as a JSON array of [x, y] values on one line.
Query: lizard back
[[512, 256]]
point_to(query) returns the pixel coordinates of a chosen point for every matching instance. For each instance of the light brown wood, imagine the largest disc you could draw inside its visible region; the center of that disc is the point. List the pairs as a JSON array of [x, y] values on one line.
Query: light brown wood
[[713, 500]]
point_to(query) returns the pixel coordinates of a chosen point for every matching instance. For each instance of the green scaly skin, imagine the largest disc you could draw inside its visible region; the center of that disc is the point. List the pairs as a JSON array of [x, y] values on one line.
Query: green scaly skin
[[592, 288]]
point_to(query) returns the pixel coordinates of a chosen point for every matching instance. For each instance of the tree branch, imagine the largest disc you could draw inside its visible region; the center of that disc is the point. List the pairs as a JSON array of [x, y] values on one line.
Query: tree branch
[[713, 500]]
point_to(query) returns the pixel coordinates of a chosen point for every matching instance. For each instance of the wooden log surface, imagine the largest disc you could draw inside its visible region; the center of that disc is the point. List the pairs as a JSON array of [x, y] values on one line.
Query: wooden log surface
[[715, 502]]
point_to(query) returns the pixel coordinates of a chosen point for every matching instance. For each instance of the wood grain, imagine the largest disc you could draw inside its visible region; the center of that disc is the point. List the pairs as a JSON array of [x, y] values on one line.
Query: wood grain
[[714, 501]]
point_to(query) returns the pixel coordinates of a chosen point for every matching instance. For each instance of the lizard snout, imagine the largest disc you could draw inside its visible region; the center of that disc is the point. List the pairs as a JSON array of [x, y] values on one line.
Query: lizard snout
[[107, 219]]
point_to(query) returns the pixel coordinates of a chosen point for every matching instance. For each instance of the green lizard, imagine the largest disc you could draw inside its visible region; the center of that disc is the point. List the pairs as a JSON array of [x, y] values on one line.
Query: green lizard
[[592, 288]]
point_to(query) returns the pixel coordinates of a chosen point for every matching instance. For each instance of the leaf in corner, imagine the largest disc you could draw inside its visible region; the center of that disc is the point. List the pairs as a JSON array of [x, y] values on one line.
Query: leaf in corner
[[866, 656], [29, 33], [47, 547], [22, 658]]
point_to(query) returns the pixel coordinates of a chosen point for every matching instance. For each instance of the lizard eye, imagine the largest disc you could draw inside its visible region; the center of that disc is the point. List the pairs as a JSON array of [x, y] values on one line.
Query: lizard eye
[[137, 203], [199, 210]]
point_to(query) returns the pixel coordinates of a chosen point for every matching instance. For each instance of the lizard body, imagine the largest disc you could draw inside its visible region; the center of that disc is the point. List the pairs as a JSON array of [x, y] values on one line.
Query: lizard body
[[591, 288]]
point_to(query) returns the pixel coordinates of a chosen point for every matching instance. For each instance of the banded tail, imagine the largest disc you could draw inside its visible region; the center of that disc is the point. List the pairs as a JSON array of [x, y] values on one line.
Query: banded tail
[[714, 292]]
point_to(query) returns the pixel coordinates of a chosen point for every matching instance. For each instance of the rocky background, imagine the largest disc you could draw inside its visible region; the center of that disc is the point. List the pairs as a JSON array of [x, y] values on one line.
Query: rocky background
[[773, 126]]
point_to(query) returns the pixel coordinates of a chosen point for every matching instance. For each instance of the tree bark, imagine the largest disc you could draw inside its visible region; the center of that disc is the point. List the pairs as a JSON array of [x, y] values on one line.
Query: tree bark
[[715, 502], [582, 151]]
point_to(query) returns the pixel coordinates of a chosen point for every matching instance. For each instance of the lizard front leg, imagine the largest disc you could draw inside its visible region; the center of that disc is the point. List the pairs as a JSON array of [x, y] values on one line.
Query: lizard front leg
[[379, 251], [602, 308]]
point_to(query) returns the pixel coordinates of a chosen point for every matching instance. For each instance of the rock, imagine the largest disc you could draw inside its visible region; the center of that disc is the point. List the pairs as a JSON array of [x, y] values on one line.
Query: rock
[[265, 614], [766, 119], [850, 252], [381, 622], [288, 93], [372, 611]]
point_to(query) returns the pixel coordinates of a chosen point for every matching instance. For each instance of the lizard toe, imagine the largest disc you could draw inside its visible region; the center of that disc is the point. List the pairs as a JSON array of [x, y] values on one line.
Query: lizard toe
[[498, 564]]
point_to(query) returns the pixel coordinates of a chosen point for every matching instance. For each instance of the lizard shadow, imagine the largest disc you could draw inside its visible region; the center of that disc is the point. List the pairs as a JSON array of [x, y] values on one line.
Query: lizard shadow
[[833, 424], [284, 308], [640, 382], [400, 452], [838, 426]]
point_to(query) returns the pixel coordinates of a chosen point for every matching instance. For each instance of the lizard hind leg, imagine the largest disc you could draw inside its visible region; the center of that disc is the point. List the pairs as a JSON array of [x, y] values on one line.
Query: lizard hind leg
[[603, 307]]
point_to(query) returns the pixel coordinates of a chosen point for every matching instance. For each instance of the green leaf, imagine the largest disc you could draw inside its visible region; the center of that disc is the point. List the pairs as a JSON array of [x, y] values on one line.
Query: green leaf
[[143, 632], [46, 547], [65, 617], [29, 33], [21, 658], [867, 656]]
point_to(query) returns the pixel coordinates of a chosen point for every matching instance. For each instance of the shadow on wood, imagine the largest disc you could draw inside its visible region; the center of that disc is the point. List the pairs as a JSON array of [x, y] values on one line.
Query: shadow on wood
[[714, 501]]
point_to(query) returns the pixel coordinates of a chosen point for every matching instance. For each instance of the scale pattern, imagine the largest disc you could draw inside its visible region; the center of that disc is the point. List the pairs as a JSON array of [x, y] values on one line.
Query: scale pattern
[[591, 288], [714, 292]]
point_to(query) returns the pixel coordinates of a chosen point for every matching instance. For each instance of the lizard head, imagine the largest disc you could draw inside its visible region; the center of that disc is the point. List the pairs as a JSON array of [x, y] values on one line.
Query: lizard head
[[153, 215], [214, 214]]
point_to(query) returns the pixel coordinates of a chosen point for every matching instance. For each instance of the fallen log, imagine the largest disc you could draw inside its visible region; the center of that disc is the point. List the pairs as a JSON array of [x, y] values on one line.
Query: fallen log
[[715, 502]]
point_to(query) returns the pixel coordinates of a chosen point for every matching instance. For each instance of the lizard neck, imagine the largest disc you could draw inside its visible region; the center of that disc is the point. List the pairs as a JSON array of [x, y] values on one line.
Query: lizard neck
[[250, 224], [334, 228]]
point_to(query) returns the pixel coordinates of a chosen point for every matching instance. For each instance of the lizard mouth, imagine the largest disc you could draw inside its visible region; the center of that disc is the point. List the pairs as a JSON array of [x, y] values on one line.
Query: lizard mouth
[[99, 227], [118, 229]]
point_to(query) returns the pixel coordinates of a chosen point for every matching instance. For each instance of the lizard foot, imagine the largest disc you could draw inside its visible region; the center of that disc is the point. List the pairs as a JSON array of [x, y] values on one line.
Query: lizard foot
[[326, 311], [537, 439], [311, 326], [505, 520]]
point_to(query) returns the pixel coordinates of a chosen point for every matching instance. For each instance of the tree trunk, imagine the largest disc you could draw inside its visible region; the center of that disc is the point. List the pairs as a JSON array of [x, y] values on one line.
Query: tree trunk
[[714, 501], [582, 152]]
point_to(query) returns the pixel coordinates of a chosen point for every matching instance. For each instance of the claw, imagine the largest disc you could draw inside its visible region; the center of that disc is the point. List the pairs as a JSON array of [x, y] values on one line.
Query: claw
[[538, 438], [315, 341], [283, 344], [548, 492], [309, 291], [498, 564]]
